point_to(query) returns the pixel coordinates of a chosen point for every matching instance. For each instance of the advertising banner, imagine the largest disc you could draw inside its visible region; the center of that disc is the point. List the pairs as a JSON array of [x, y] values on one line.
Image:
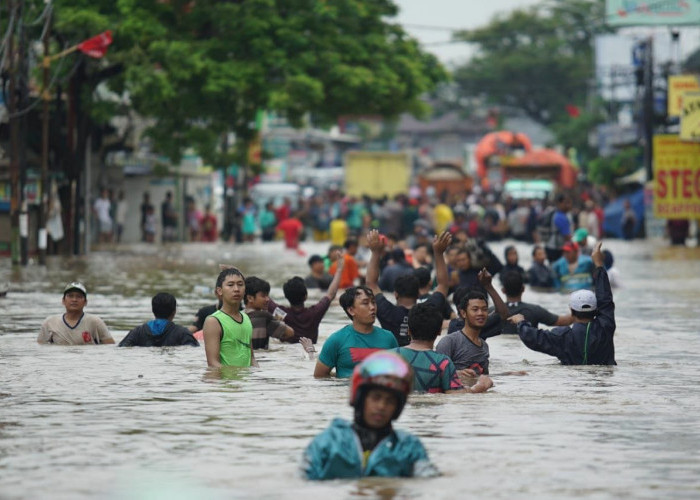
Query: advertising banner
[[652, 12], [676, 178], [678, 85], [690, 117]]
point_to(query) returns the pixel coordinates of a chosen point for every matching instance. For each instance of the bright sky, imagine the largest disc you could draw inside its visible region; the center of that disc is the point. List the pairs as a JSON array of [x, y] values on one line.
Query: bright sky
[[414, 15], [451, 14]]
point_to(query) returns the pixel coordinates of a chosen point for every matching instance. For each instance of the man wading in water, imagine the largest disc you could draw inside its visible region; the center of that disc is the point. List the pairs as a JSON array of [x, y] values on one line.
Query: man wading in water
[[228, 332], [590, 340]]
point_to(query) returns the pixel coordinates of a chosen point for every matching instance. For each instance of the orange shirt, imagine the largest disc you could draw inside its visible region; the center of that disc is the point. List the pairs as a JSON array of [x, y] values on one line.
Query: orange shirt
[[351, 271]]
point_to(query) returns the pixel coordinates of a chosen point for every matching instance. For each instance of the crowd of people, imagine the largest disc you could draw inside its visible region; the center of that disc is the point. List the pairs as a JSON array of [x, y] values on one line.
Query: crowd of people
[[440, 284]]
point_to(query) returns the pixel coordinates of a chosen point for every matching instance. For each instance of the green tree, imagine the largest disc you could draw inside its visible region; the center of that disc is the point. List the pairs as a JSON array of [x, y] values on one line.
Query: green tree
[[604, 171], [203, 69], [537, 60]]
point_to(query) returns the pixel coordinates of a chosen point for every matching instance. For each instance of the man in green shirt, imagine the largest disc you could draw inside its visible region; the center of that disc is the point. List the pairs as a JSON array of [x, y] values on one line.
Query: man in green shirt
[[228, 333]]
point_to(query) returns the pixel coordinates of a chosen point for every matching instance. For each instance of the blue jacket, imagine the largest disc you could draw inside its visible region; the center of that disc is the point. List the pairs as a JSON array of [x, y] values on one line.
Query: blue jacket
[[583, 343], [336, 453]]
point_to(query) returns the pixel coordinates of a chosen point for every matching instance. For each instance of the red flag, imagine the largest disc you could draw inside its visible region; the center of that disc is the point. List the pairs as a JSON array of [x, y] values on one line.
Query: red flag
[[97, 45], [573, 111]]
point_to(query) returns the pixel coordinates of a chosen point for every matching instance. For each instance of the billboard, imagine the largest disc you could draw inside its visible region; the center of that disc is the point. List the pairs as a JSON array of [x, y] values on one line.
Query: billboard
[[676, 178], [678, 85], [652, 12]]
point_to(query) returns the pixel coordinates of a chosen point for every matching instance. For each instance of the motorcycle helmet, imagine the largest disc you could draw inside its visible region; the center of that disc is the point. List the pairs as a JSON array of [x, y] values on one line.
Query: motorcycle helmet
[[384, 370]]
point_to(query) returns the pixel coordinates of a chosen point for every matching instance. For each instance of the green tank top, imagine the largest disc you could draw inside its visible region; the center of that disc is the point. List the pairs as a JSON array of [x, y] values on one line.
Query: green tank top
[[236, 339]]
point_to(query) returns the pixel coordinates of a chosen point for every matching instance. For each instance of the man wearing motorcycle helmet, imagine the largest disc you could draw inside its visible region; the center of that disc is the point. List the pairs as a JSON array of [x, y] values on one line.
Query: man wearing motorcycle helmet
[[370, 446]]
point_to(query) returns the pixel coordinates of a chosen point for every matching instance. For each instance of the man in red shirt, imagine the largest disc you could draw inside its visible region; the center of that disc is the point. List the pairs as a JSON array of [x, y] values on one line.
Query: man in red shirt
[[292, 229]]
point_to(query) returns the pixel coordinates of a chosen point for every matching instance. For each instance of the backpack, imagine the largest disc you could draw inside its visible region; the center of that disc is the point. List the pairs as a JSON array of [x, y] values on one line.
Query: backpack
[[544, 225]]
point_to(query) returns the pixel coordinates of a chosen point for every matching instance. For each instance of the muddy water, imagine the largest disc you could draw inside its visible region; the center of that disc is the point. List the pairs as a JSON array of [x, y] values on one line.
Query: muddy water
[[150, 423]]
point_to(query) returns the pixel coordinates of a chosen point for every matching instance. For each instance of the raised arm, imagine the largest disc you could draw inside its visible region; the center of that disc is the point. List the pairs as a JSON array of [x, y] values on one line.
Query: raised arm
[[440, 244], [485, 280], [333, 287], [606, 307], [375, 245]]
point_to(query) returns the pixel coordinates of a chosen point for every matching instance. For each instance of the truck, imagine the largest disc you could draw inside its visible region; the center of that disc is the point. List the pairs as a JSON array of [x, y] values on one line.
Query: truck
[[377, 173]]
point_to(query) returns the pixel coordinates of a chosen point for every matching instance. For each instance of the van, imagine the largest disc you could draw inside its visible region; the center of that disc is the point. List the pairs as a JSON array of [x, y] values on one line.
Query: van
[[275, 192]]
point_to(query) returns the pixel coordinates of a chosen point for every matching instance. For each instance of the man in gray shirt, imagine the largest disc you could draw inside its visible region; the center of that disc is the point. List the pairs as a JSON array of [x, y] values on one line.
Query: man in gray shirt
[[468, 351]]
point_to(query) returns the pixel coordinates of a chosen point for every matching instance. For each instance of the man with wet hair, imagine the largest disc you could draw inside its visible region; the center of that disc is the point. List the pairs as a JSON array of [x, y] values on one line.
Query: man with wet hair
[[74, 327], [344, 349], [257, 296], [394, 317], [317, 277], [304, 320], [589, 341], [513, 287], [161, 331], [228, 332]]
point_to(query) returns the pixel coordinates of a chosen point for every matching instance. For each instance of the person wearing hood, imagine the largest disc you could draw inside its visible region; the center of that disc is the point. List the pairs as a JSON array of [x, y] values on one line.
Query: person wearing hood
[[369, 445], [161, 331]]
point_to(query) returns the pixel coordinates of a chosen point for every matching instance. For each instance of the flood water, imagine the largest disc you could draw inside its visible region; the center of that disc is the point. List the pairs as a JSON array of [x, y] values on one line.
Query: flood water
[[103, 422]]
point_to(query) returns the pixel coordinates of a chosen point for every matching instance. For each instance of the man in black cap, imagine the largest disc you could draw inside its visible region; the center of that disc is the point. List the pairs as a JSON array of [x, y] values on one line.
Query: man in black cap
[[74, 327]]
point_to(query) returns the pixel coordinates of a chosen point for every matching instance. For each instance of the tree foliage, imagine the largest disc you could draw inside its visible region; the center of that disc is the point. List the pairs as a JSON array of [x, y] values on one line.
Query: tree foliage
[[537, 60], [605, 170], [203, 69]]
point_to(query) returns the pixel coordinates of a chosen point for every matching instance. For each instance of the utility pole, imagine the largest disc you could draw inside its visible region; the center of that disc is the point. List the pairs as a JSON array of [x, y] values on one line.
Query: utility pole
[[22, 104], [45, 201], [648, 108], [14, 140]]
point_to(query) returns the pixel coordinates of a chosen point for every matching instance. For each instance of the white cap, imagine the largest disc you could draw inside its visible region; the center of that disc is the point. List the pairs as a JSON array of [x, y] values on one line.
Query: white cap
[[583, 301]]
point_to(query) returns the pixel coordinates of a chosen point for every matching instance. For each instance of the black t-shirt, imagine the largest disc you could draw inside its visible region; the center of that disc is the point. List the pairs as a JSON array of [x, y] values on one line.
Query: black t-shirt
[[446, 310], [394, 318], [202, 315], [533, 313]]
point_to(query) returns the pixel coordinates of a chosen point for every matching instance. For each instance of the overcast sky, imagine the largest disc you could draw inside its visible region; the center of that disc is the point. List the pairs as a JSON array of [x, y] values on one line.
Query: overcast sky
[[466, 14], [469, 14]]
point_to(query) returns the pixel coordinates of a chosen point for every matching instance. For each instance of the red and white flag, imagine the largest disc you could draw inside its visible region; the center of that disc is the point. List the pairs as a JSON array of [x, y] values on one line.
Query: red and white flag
[[97, 45]]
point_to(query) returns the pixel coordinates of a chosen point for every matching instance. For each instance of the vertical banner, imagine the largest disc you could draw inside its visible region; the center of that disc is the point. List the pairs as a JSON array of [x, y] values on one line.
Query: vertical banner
[[652, 13], [690, 117], [676, 178], [678, 85]]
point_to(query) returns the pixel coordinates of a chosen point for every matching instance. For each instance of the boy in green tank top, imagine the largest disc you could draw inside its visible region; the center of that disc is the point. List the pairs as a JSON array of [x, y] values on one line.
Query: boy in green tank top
[[228, 333]]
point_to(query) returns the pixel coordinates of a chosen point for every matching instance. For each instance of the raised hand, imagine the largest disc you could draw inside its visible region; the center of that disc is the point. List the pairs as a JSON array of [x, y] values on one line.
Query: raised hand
[[484, 278], [597, 255], [441, 242], [374, 242]]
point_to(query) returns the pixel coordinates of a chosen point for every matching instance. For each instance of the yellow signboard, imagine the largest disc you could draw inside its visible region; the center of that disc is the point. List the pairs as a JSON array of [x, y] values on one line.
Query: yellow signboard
[[677, 86], [676, 178], [690, 117]]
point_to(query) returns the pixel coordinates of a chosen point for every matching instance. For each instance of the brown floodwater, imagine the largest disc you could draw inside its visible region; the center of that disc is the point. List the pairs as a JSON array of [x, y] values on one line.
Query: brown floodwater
[[103, 422]]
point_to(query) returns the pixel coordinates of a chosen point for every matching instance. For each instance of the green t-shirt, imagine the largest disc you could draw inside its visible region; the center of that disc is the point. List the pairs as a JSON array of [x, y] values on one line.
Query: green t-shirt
[[347, 347], [236, 339]]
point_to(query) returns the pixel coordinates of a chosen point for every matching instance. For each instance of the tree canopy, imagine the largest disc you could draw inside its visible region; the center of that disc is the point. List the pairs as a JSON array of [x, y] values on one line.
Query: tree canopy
[[203, 69], [537, 60]]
